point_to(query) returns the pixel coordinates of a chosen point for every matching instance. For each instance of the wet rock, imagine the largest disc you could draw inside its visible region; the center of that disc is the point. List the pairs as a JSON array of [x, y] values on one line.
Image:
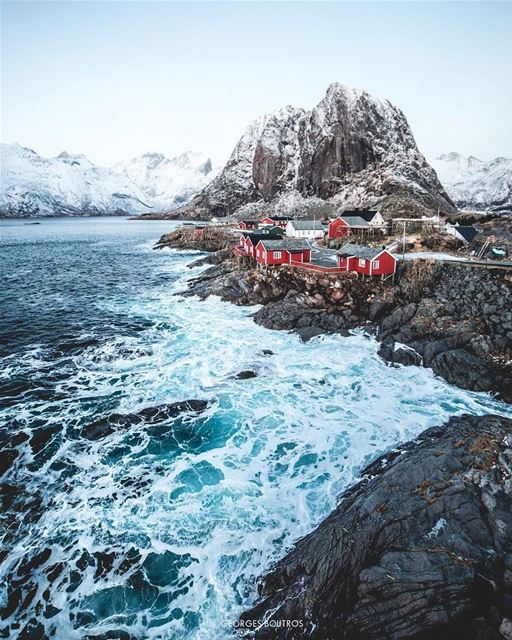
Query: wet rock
[[267, 352], [151, 415], [399, 355], [306, 333], [245, 375], [420, 548]]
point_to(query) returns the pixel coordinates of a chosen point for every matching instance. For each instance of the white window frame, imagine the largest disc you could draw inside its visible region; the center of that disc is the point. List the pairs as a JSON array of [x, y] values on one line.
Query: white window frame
[[277, 255], [362, 262], [376, 264]]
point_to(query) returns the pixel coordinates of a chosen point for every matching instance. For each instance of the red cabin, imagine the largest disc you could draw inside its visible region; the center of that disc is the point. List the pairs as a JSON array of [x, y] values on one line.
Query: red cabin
[[248, 224], [273, 252], [248, 241], [278, 221], [198, 231], [338, 228], [366, 260]]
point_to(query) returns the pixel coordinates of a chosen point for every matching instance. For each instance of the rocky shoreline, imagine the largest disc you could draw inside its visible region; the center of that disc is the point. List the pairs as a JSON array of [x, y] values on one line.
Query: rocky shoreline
[[421, 547], [454, 319]]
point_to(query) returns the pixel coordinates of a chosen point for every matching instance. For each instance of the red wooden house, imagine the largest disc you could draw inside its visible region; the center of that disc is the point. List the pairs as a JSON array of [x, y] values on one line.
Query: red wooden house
[[338, 228], [278, 221], [343, 226], [248, 241], [248, 224], [284, 251], [369, 261]]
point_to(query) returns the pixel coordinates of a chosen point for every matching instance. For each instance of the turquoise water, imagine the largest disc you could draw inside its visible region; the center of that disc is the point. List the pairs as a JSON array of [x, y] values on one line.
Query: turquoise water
[[161, 528]]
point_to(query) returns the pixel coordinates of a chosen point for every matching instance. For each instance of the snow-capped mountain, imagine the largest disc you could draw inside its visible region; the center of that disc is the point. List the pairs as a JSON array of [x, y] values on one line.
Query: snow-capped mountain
[[474, 184], [71, 185], [167, 183], [351, 150]]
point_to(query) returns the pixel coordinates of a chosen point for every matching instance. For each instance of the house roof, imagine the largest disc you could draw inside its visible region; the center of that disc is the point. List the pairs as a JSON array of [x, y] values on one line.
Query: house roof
[[256, 237], [272, 229], [365, 214], [359, 251], [285, 244], [355, 221], [468, 233], [307, 225], [249, 221]]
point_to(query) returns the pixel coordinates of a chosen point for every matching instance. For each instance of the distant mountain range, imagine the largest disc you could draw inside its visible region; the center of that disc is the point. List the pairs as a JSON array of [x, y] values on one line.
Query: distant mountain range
[[474, 184], [71, 185], [351, 151]]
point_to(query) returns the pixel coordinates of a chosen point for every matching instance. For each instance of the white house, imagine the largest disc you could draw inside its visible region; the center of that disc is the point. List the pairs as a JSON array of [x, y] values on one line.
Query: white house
[[304, 229]]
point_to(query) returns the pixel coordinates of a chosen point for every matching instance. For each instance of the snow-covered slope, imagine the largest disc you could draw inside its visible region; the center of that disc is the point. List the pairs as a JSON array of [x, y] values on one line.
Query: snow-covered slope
[[474, 184], [352, 150], [167, 183], [71, 185]]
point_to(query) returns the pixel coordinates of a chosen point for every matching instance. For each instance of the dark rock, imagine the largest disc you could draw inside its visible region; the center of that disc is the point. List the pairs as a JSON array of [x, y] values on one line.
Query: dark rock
[[151, 415], [267, 352], [306, 333], [407, 356], [245, 375], [418, 549]]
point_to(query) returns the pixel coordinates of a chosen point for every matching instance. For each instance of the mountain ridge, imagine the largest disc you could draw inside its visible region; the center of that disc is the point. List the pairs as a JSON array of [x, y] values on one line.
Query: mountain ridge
[[475, 184], [71, 185]]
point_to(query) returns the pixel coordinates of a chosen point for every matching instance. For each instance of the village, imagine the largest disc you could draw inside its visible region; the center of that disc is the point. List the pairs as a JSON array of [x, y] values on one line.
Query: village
[[356, 241]]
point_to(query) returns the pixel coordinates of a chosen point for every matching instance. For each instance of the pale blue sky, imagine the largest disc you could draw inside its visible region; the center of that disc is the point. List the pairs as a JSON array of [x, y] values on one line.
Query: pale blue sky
[[115, 79]]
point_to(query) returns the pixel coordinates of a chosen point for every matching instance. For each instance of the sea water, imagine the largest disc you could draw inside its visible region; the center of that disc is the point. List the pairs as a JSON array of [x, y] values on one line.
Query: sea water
[[161, 530]]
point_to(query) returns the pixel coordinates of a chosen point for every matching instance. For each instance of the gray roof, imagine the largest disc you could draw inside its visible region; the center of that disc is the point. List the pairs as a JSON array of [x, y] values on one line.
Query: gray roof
[[359, 251], [467, 232], [365, 214], [355, 221], [286, 244], [307, 225]]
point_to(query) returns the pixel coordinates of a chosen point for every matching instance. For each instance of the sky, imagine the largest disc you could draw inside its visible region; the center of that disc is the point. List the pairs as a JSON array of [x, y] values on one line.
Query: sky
[[116, 79]]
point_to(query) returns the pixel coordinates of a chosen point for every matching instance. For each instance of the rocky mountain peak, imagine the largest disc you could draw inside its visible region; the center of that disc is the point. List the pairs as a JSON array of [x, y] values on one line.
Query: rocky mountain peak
[[351, 150]]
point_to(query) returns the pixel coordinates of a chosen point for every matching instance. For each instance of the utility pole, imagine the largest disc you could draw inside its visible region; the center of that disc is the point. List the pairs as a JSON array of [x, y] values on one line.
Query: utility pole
[[403, 242]]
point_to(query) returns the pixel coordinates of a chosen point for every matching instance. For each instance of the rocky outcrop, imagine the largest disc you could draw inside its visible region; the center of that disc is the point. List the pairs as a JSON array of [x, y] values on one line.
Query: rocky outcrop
[[456, 320], [420, 548], [350, 151]]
